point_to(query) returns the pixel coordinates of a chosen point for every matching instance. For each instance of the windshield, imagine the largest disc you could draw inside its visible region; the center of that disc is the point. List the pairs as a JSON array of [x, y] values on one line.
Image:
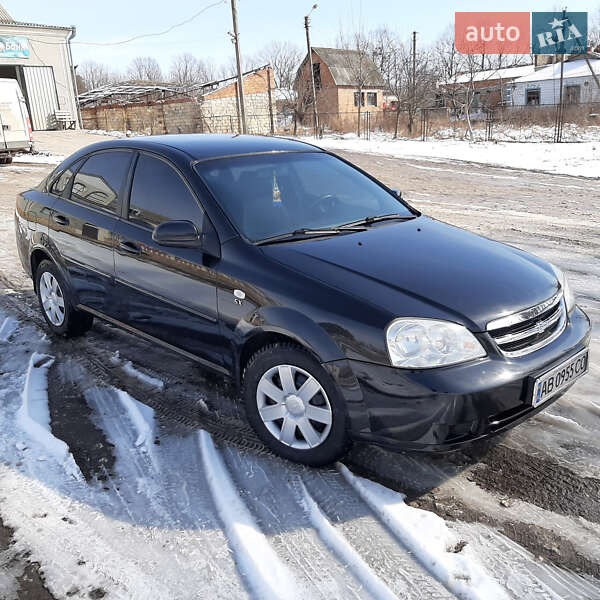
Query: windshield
[[270, 195]]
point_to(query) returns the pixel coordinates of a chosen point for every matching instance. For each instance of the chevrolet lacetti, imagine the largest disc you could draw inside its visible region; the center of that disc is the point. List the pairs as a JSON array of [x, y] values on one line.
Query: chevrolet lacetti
[[342, 312]]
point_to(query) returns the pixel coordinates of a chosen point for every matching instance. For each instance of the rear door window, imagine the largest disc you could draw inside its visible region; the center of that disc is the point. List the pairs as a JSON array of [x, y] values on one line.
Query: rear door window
[[100, 180], [159, 194], [61, 183]]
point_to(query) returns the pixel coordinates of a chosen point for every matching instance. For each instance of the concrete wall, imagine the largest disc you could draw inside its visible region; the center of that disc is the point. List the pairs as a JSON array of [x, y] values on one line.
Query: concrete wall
[[213, 113], [47, 47]]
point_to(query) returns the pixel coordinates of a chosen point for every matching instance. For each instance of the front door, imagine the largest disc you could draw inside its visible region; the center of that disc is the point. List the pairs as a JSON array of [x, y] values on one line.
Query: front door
[[165, 292], [83, 220]]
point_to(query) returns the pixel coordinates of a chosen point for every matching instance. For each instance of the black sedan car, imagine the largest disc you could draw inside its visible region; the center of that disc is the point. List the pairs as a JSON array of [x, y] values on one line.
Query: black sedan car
[[342, 312]]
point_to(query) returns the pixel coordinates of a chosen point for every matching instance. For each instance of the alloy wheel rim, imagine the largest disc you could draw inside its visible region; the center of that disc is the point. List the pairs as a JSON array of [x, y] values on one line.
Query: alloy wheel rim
[[294, 407], [53, 301]]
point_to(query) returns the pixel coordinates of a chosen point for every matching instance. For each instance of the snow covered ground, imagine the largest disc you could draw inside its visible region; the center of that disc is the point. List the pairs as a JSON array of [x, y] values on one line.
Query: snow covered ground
[[127, 473], [578, 159]]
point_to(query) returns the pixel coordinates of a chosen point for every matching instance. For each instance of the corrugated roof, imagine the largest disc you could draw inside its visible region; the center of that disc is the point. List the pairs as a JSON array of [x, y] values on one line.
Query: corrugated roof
[[6, 19], [4, 16], [576, 68], [344, 64]]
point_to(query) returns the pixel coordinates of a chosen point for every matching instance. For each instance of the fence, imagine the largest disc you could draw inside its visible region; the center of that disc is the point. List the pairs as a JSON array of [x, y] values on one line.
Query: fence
[[486, 124]]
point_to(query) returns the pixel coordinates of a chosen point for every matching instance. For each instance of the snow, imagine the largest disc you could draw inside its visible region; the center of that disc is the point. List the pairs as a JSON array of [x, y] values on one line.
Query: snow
[[7, 328], [336, 542], [492, 74], [266, 575], [34, 416], [40, 158], [575, 68], [430, 540], [582, 159], [128, 367]]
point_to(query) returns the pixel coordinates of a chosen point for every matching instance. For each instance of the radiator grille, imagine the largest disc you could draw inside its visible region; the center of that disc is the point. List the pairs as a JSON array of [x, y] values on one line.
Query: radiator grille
[[531, 329]]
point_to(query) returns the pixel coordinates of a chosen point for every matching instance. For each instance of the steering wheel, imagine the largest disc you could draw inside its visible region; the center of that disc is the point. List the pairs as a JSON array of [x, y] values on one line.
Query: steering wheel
[[324, 203]]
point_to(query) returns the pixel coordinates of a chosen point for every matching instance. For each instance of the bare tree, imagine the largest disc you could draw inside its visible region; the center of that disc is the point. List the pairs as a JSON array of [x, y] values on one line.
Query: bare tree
[[144, 68], [594, 31], [96, 74], [359, 64], [187, 69], [284, 58]]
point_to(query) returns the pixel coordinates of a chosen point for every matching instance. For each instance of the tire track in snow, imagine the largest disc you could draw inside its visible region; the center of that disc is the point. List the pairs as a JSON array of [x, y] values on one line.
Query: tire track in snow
[[428, 538], [524, 575], [345, 553], [264, 573], [370, 538]]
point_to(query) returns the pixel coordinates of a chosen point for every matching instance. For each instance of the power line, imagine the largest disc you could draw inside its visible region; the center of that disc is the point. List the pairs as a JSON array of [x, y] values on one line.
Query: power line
[[137, 37]]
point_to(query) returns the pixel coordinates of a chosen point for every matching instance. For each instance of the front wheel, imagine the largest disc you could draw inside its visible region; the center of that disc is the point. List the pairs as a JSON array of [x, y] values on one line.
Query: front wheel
[[294, 405]]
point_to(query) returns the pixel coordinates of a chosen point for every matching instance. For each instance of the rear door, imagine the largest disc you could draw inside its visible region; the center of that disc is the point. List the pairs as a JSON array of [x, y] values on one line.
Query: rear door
[[82, 225], [168, 293]]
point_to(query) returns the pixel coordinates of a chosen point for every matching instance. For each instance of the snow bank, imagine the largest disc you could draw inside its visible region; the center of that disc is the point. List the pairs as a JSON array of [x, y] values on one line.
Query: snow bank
[[427, 536], [141, 417], [581, 159], [34, 415], [266, 575]]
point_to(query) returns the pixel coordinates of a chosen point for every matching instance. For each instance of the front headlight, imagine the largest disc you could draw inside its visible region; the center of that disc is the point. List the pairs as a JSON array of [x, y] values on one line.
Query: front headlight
[[425, 343], [566, 288]]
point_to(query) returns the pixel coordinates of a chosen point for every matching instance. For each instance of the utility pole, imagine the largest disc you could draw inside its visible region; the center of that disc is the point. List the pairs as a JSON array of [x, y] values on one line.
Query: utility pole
[[238, 61], [413, 103], [558, 127], [312, 71]]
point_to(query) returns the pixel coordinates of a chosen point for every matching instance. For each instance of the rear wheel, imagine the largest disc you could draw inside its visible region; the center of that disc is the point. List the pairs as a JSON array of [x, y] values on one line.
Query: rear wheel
[[294, 405], [57, 308]]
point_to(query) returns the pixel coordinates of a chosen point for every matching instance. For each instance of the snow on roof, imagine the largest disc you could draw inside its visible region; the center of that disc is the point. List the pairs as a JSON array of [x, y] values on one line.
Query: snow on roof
[[492, 75], [576, 68]]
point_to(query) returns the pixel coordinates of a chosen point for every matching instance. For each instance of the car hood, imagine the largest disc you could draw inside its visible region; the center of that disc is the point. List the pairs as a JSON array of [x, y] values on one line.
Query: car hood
[[425, 268]]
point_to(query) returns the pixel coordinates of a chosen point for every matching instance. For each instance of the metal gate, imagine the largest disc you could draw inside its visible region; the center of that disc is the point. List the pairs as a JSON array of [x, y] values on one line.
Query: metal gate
[[43, 99]]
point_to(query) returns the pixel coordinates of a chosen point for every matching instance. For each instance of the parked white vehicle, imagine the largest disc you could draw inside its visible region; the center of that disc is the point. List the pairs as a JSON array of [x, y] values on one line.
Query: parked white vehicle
[[15, 126]]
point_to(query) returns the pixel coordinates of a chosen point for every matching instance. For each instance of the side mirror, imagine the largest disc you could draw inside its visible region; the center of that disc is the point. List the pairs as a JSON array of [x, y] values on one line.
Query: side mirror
[[180, 234], [397, 193]]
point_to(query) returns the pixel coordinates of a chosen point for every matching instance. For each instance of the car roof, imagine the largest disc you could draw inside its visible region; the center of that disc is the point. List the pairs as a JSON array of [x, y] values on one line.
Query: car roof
[[201, 146]]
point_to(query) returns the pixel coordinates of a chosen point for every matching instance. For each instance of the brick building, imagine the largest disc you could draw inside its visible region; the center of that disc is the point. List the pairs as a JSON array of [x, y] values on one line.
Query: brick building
[[338, 76], [210, 107]]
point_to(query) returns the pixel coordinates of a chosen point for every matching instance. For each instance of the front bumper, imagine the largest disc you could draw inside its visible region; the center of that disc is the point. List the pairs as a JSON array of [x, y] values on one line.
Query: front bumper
[[440, 409]]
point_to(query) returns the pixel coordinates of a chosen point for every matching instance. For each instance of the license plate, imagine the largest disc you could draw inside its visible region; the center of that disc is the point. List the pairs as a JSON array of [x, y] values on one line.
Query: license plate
[[558, 378]]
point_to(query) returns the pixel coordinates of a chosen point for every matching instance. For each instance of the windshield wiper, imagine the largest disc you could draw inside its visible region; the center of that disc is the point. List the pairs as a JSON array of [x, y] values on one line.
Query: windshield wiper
[[376, 219], [306, 233]]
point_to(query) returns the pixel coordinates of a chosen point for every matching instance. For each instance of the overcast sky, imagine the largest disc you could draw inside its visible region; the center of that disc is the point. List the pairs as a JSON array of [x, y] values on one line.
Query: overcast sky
[[260, 21]]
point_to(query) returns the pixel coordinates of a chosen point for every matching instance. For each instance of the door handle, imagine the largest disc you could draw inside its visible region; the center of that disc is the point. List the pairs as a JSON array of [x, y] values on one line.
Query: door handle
[[60, 219], [129, 247]]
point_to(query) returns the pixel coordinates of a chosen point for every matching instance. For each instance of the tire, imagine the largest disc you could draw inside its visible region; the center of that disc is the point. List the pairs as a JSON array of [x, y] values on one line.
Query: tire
[[280, 417], [56, 306]]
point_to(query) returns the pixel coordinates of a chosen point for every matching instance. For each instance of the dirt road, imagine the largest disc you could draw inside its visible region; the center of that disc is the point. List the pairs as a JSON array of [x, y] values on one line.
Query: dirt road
[[141, 511]]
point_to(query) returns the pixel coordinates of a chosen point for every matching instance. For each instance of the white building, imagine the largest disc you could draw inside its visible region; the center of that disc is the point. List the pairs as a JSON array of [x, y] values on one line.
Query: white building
[[39, 58], [543, 86]]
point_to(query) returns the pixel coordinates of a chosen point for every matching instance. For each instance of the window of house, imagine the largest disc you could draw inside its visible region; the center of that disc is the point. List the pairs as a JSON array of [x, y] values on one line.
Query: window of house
[[159, 194], [317, 75], [357, 96], [573, 94], [100, 180], [533, 96], [372, 98]]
